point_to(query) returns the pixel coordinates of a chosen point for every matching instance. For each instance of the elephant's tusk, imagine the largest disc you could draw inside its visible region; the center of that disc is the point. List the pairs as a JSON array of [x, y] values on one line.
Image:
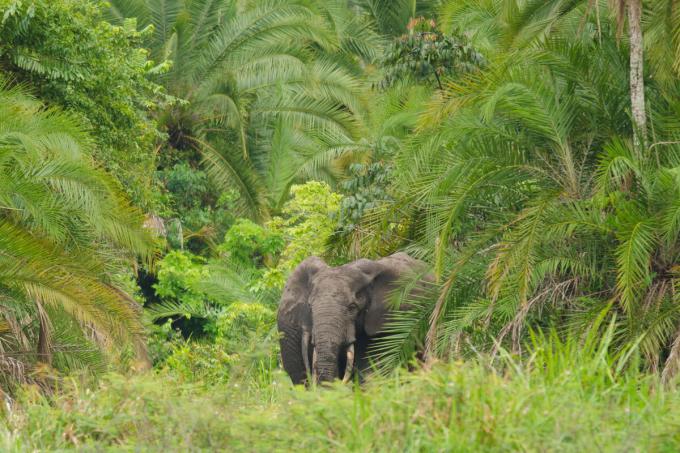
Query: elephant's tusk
[[314, 359], [350, 364], [305, 353]]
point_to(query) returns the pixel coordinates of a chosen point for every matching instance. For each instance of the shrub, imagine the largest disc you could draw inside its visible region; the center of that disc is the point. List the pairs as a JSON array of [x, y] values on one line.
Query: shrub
[[308, 220], [240, 321], [249, 244], [192, 201], [426, 55], [178, 276], [199, 362], [161, 341], [242, 346]]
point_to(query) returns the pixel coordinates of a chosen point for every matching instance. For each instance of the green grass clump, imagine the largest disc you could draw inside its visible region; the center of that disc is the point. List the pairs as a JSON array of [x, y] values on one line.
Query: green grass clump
[[562, 396]]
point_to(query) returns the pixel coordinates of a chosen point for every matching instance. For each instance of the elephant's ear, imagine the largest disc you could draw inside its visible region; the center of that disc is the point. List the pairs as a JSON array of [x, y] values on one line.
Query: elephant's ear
[[295, 319], [298, 286], [381, 277]]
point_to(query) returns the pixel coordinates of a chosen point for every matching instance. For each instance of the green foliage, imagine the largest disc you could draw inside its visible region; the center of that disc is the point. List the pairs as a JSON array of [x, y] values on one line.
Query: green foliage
[[200, 362], [68, 237], [239, 342], [248, 244], [236, 293], [252, 264], [71, 58], [425, 54], [263, 114], [517, 176], [243, 347], [527, 195], [366, 228], [192, 200], [308, 220], [179, 274], [162, 339], [242, 320], [572, 396], [391, 17], [367, 189]]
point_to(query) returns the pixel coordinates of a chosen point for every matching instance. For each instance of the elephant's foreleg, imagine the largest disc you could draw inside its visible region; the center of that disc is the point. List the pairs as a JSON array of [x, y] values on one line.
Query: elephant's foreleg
[[291, 356]]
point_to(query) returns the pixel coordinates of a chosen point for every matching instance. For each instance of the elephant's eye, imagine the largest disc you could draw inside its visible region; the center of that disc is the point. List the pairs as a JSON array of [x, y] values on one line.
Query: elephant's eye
[[353, 306]]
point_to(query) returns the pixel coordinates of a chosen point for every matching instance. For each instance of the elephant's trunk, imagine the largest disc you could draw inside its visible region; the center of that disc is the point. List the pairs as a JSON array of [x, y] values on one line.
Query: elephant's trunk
[[328, 342], [326, 362], [327, 365], [326, 375], [330, 333]]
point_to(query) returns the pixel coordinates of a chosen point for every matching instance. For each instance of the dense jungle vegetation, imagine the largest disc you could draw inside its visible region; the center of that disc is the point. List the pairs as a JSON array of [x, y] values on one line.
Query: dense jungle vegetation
[[165, 164]]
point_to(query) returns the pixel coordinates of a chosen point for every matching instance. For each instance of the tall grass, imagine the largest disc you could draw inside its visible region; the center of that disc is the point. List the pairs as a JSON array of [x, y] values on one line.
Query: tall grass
[[563, 395]]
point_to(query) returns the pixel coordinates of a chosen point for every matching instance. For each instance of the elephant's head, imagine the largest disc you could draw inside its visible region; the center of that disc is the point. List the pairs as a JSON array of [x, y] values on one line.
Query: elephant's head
[[325, 310]]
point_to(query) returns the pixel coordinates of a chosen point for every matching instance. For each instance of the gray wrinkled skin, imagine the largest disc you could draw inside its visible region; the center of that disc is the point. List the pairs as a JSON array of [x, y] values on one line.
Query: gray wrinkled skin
[[324, 310]]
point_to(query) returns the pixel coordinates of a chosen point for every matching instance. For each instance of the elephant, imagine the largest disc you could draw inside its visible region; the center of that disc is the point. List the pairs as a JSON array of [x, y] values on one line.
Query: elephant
[[328, 316]]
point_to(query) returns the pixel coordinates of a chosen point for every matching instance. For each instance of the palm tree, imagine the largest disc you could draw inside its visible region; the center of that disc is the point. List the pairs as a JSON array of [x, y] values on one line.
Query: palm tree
[[67, 236], [365, 222], [531, 19], [540, 210], [269, 95]]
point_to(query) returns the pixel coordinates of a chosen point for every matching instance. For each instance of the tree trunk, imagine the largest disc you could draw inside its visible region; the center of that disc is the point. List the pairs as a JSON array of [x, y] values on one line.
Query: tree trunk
[[637, 85]]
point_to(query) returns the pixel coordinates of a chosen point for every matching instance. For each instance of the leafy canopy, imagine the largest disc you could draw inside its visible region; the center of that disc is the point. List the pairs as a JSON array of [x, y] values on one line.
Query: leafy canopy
[[70, 57]]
